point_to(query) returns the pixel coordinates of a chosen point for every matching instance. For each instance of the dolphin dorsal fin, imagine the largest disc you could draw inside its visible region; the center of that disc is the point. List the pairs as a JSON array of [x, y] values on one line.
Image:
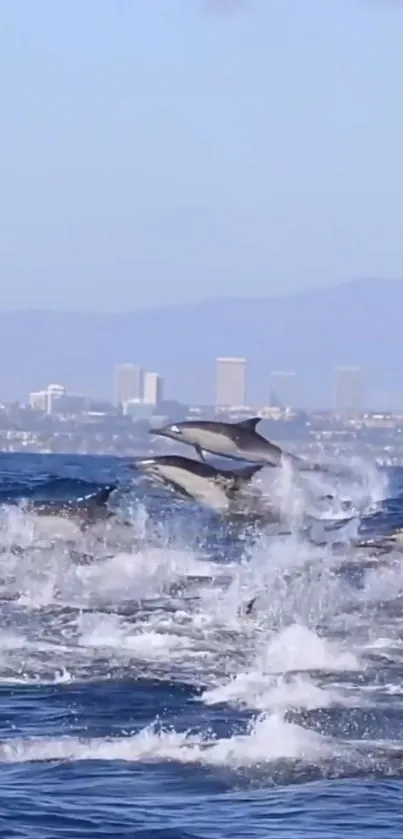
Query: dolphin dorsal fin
[[102, 496], [249, 423], [245, 475], [97, 499]]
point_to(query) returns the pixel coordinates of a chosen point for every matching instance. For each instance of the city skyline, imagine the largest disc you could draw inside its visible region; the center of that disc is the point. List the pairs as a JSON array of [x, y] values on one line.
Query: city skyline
[[133, 386], [309, 334]]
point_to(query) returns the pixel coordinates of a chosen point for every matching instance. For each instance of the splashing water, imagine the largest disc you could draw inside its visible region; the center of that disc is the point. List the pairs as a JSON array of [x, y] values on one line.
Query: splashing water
[[131, 643]]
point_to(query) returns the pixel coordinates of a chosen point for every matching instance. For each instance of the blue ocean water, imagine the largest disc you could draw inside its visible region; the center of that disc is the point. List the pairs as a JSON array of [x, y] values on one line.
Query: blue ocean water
[[137, 698]]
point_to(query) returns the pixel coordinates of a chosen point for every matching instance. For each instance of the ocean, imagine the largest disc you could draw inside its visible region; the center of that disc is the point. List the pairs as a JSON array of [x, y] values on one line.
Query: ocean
[[138, 699]]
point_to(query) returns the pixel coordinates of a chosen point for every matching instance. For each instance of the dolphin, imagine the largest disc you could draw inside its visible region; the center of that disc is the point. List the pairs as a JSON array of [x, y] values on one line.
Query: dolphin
[[238, 440], [87, 510], [212, 487]]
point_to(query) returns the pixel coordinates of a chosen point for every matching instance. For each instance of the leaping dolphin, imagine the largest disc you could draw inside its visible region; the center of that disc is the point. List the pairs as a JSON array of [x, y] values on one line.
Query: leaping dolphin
[[238, 440], [212, 487], [87, 510]]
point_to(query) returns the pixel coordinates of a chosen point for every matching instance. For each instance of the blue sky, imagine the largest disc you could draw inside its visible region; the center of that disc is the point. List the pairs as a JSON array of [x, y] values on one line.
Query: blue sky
[[156, 151]]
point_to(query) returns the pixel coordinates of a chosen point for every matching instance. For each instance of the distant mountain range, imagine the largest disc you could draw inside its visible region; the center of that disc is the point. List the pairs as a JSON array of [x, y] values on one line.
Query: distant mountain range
[[359, 322]]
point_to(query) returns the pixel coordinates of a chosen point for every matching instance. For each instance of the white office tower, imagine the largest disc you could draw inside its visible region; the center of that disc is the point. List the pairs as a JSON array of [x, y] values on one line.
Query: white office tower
[[128, 383], [231, 382], [38, 400], [54, 393], [153, 388], [44, 400]]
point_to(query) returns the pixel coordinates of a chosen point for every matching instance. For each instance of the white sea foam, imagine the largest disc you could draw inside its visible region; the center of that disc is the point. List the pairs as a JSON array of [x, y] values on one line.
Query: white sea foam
[[136, 607], [268, 738]]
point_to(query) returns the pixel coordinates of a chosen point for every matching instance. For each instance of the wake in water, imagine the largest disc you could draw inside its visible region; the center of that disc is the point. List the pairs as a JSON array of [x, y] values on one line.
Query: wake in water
[[306, 685]]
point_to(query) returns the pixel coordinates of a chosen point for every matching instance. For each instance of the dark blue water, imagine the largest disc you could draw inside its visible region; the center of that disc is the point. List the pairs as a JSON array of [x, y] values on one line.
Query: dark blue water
[[137, 699]]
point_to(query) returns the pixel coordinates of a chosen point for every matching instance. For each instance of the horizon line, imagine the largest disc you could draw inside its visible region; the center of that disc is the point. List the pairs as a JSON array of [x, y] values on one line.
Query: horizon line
[[203, 300]]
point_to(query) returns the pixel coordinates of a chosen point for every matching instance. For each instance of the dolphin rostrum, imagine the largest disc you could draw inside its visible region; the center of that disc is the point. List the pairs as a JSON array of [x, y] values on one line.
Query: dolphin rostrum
[[198, 480], [238, 440]]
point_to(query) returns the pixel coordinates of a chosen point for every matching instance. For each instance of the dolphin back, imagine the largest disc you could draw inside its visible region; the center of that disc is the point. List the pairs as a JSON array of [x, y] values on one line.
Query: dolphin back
[[95, 501], [100, 498]]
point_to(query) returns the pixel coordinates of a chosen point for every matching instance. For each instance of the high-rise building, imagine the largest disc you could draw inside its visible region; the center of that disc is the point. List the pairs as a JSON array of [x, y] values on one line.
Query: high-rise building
[[282, 389], [128, 383], [55, 392], [38, 400], [349, 390], [153, 388], [231, 382], [44, 400]]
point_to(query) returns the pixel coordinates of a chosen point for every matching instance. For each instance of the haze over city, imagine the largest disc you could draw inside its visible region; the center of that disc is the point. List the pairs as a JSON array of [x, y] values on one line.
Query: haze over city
[[158, 154]]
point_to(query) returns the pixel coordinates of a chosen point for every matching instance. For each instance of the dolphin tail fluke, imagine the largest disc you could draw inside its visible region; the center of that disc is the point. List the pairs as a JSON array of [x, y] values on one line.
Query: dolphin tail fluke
[[248, 473]]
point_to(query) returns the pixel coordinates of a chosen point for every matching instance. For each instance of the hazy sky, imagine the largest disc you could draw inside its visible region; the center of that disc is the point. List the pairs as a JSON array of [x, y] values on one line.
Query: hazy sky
[[163, 150]]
